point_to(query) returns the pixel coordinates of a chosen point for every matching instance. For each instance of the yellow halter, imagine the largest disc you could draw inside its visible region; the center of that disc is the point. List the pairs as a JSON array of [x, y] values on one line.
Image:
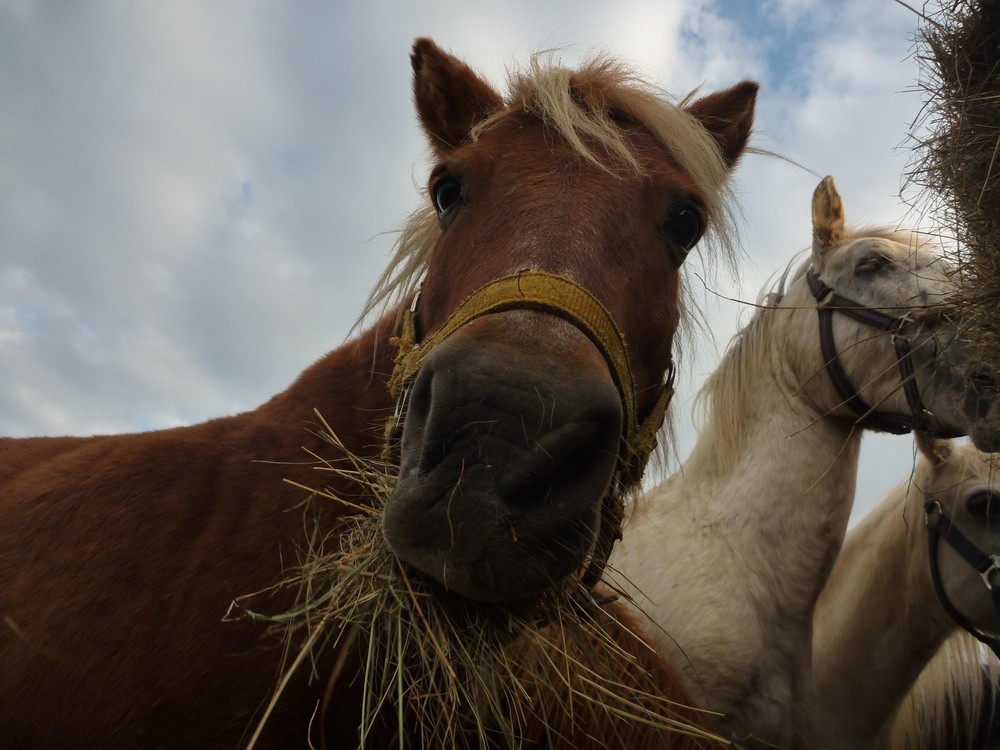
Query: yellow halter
[[555, 295]]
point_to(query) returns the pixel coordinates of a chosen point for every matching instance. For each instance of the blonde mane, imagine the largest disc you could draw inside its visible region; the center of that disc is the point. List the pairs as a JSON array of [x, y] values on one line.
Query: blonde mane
[[962, 673], [908, 237], [587, 107], [592, 109], [722, 402]]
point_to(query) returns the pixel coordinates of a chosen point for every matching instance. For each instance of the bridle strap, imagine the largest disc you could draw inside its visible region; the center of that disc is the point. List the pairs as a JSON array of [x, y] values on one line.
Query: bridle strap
[[628, 474], [939, 527], [532, 290], [829, 302], [559, 296], [836, 372]]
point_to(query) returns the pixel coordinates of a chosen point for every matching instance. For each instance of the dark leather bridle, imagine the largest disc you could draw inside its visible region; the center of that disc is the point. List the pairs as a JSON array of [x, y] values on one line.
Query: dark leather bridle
[[939, 527], [828, 302]]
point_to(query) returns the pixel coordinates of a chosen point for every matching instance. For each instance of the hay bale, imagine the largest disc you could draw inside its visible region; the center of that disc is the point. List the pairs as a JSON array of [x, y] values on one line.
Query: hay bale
[[957, 154]]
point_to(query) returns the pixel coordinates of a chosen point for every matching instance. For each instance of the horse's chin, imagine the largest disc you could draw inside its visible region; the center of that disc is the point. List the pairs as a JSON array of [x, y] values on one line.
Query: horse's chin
[[474, 547], [504, 620]]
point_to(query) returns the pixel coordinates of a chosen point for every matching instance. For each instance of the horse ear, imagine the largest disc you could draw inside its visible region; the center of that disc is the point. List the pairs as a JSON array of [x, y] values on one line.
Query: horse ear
[[728, 116], [450, 97], [828, 216], [935, 450]]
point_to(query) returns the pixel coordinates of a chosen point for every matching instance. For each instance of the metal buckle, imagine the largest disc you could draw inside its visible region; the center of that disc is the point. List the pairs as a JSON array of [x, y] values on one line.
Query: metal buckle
[[903, 322], [416, 296], [932, 509], [895, 337], [991, 576]]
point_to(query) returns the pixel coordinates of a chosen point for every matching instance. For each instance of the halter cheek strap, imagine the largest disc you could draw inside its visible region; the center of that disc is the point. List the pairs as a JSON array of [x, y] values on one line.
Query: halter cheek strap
[[919, 418], [559, 296], [939, 527]]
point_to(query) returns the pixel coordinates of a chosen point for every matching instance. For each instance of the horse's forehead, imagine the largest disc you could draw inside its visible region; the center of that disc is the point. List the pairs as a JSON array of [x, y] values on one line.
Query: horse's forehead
[[521, 141], [553, 208], [929, 266]]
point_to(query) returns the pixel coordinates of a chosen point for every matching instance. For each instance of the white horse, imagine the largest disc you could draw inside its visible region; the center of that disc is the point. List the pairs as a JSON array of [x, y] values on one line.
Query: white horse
[[889, 603], [727, 556], [882, 616]]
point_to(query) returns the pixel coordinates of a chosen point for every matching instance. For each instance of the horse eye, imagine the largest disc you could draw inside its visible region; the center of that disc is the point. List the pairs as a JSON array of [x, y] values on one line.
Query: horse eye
[[872, 262], [980, 503], [684, 227], [446, 194]]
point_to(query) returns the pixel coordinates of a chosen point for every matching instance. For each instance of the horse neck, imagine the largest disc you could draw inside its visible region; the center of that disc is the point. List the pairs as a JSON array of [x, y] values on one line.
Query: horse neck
[[346, 389], [773, 473], [745, 534], [878, 622]]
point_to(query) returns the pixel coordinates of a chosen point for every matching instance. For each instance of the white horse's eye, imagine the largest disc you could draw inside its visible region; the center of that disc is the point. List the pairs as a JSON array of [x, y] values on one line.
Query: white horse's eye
[[872, 262]]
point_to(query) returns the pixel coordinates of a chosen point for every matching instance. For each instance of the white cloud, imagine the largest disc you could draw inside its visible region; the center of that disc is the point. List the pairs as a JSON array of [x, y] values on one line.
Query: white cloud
[[195, 193]]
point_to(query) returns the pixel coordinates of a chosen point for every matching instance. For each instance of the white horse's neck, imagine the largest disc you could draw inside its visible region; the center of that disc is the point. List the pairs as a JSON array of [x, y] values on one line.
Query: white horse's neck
[[879, 617], [728, 556]]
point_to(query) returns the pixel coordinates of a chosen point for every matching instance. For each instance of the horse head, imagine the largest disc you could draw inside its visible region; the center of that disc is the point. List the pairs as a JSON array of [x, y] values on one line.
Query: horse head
[[961, 489], [558, 222], [895, 360]]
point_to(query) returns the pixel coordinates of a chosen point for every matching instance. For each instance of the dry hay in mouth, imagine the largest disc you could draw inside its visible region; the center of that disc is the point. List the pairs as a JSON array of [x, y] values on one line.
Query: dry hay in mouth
[[442, 672], [956, 163]]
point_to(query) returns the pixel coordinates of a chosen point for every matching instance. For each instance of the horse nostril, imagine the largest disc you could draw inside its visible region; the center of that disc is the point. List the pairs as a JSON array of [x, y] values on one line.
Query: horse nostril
[[421, 451]]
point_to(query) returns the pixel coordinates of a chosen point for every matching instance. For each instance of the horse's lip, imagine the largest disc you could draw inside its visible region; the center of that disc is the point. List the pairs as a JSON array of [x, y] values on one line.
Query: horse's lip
[[478, 613], [555, 449]]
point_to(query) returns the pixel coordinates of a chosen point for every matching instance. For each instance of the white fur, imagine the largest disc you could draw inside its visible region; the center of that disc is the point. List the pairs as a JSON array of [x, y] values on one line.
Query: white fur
[[727, 557], [879, 621]]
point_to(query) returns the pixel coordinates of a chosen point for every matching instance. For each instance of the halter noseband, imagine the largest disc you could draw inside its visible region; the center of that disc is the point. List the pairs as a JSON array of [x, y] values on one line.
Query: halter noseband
[[828, 302], [559, 296], [939, 527]]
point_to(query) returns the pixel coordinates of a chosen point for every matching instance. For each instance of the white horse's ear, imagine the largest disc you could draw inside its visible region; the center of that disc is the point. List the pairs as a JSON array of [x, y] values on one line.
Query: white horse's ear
[[828, 217], [935, 450]]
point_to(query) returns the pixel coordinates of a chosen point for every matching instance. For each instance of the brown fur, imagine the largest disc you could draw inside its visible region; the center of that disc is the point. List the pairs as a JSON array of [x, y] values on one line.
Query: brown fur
[[121, 554], [558, 729]]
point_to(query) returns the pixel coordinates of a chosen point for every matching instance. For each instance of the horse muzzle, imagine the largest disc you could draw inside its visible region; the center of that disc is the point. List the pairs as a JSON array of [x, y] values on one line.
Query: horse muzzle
[[516, 435], [502, 473]]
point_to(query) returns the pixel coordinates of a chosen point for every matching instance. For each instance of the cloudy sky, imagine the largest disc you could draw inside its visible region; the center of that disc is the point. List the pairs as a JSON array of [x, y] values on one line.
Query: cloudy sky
[[195, 197]]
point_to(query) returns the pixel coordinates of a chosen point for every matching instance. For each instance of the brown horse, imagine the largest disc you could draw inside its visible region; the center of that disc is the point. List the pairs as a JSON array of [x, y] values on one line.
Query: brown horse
[[558, 219]]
